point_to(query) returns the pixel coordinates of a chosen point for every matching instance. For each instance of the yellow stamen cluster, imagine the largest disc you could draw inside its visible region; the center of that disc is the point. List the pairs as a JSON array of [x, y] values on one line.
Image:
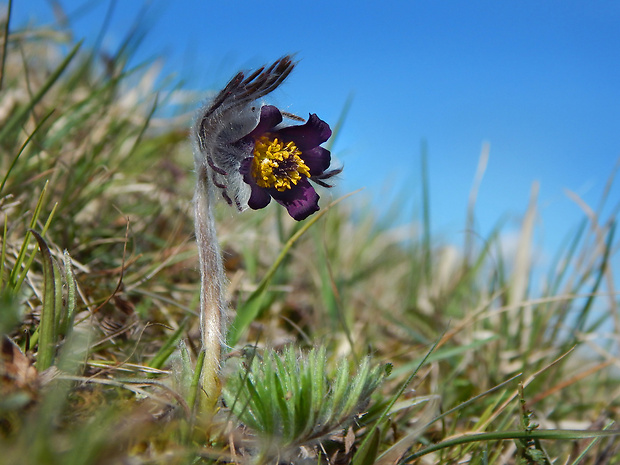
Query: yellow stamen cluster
[[276, 165]]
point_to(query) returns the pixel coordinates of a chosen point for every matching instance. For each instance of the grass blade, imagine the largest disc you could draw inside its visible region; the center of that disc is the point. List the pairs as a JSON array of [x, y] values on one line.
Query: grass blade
[[5, 42], [249, 311], [20, 116]]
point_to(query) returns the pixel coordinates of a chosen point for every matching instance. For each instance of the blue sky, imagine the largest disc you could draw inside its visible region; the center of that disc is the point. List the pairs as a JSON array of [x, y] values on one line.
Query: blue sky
[[539, 81]]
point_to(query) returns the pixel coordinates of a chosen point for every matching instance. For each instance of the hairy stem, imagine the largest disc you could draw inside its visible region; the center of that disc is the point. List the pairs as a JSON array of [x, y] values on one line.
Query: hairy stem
[[212, 288]]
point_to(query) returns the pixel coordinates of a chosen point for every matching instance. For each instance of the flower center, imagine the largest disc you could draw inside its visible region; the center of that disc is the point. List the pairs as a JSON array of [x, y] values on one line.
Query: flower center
[[276, 165]]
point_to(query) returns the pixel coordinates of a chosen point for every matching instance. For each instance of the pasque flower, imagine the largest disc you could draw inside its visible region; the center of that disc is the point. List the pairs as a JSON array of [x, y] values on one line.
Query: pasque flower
[[282, 161], [243, 150], [243, 154]]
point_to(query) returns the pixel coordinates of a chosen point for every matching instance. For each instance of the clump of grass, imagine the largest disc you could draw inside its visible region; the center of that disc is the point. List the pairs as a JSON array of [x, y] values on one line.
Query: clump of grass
[[100, 284], [73, 156]]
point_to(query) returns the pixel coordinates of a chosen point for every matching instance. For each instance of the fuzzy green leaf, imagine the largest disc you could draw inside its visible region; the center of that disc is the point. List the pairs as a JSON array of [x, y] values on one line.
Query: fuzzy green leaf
[[47, 338]]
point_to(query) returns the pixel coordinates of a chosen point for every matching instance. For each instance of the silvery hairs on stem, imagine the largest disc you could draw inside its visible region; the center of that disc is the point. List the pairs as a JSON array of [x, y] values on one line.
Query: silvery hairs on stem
[[232, 114]]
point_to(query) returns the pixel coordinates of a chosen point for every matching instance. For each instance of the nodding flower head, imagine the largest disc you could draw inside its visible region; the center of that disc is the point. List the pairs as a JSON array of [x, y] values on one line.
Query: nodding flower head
[[242, 149]]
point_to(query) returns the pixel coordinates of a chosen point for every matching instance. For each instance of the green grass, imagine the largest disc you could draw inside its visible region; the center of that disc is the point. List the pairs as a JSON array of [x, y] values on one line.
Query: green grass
[[99, 292]]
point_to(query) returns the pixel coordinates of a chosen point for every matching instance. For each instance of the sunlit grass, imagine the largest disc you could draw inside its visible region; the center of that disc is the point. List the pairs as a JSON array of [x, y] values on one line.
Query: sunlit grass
[[100, 287]]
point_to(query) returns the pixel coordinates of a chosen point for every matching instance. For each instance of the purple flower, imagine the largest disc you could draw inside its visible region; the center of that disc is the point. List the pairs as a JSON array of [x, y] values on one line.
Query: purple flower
[[282, 160], [241, 149]]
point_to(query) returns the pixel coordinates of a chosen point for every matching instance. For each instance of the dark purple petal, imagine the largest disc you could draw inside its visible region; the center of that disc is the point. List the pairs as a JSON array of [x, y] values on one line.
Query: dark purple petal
[[270, 117], [317, 159], [306, 136], [259, 197], [301, 201]]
